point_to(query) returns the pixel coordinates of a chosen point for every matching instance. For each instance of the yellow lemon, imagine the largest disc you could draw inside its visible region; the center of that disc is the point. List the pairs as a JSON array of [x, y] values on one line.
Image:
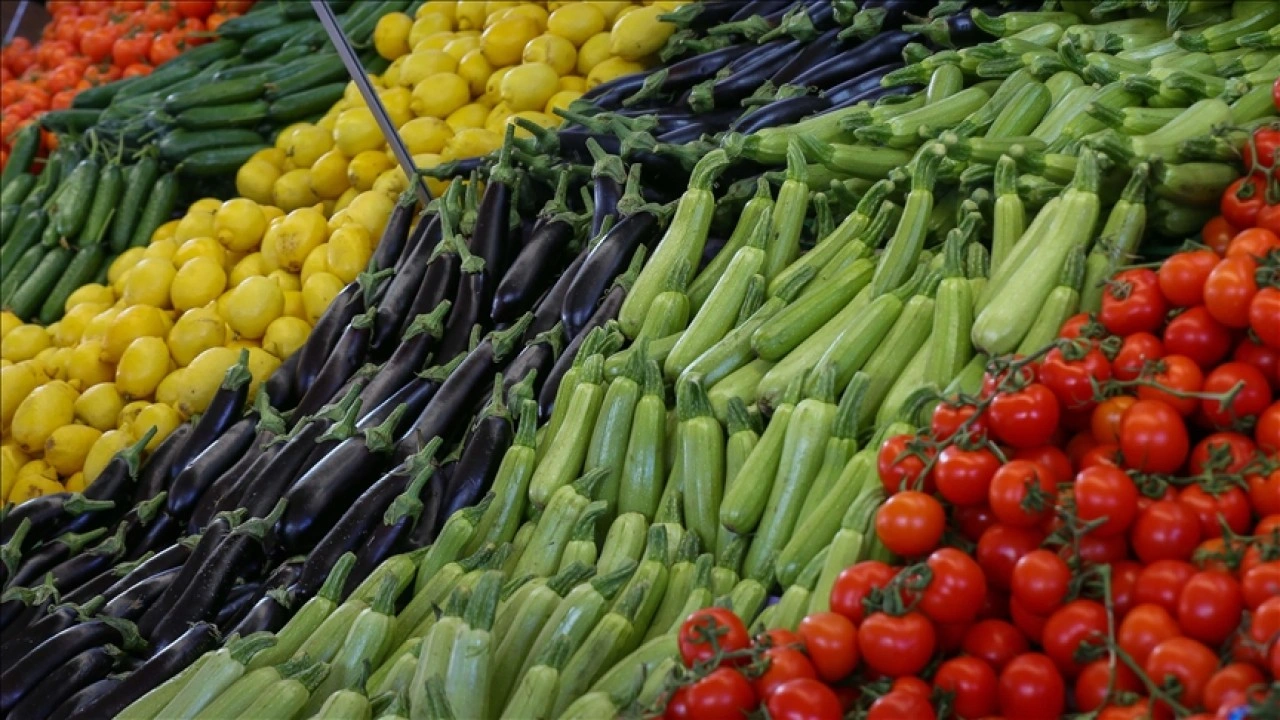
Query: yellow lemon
[[398, 102], [285, 335], [459, 46], [475, 68], [317, 292], [256, 181], [193, 225], [493, 86], [435, 41], [472, 142], [560, 100], [576, 22], [99, 405], [272, 156], [610, 69], [239, 223], [195, 332], [639, 33], [95, 293], [613, 9], [391, 35], [76, 483], [593, 52], [428, 24], [124, 262], [422, 64], [307, 144], [448, 8], [205, 205], [529, 86], [440, 95], [165, 231], [86, 367], [496, 121], [252, 305], [573, 83], [317, 260], [503, 42], [9, 321], [202, 247], [371, 210], [141, 368], [299, 233], [24, 342], [42, 411], [470, 15], [344, 199], [329, 175], [16, 383], [129, 413], [250, 265], [349, 250], [71, 328], [391, 183], [293, 190], [132, 323], [285, 279], [67, 447], [425, 135], [161, 249], [357, 131], [198, 283], [536, 13], [553, 50], [37, 478], [148, 283], [471, 115], [164, 418], [364, 169], [261, 365]]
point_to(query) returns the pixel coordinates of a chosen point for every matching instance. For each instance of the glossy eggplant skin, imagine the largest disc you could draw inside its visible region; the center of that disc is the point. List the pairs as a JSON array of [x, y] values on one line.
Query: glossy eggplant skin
[[532, 270], [130, 604], [25, 674], [162, 464], [44, 512], [478, 464], [324, 335], [886, 49], [406, 284], [394, 236], [87, 697], [602, 265], [282, 387], [85, 668], [193, 481], [607, 310], [163, 664]]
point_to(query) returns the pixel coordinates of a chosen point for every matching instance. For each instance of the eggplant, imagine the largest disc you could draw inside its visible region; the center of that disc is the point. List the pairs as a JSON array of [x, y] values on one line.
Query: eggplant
[[745, 76], [223, 410], [536, 265], [159, 534], [80, 567], [886, 48], [536, 359], [43, 515], [492, 236], [955, 30], [83, 669], [25, 604], [439, 283], [39, 562], [196, 558], [268, 614], [472, 301], [607, 311], [680, 76], [395, 376], [459, 390], [611, 93], [277, 475], [405, 284], [130, 604], [226, 485], [96, 585], [432, 519], [546, 311], [781, 112], [705, 15], [59, 618], [11, 552], [189, 486], [164, 664], [395, 233], [115, 483], [861, 87], [758, 7], [25, 674], [608, 179], [348, 355], [482, 453], [238, 602], [281, 388], [159, 467], [133, 573], [87, 697], [324, 335], [823, 48]]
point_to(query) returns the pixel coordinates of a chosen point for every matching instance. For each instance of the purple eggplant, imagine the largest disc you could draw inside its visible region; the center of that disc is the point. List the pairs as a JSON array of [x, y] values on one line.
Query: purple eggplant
[[80, 567], [324, 335], [491, 236], [348, 355], [546, 311], [680, 76], [413, 350], [59, 618], [781, 112], [278, 475], [24, 604], [130, 574], [406, 283], [43, 515], [439, 282], [25, 674], [130, 604], [474, 296], [89, 666], [87, 697], [481, 455], [346, 534], [954, 31], [11, 552], [823, 48], [191, 483], [96, 585], [608, 179], [395, 234], [536, 265], [745, 75], [161, 532], [432, 518], [223, 410], [158, 469], [226, 484], [536, 359], [37, 563], [161, 666], [280, 388], [268, 614], [115, 483], [758, 7], [238, 602], [886, 48], [197, 557], [861, 87], [611, 93]]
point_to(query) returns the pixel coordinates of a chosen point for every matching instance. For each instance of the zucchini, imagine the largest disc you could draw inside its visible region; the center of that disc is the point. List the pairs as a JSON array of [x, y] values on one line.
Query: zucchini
[[217, 161], [213, 117], [308, 103], [180, 144]]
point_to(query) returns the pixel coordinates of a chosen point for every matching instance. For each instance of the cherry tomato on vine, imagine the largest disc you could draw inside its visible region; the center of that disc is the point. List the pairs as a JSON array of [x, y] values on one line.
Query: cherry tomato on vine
[[1161, 582], [1106, 496], [1146, 626], [972, 684], [784, 665], [1174, 381], [702, 627], [855, 583], [1263, 357], [1263, 311], [1244, 393], [1210, 606], [1072, 376], [724, 694], [1260, 583], [1267, 432], [1105, 420], [1217, 234], [1030, 688], [1049, 456], [1254, 242], [804, 699], [948, 418], [1269, 218], [1227, 504], [1124, 586], [999, 549], [897, 704], [996, 642], [896, 645], [901, 464], [1229, 291], [962, 476], [1135, 352], [832, 643], [1167, 530], [1198, 336], [956, 587], [1223, 452], [1183, 274], [1264, 145], [1041, 580], [1264, 492], [1242, 200], [1231, 683], [779, 637], [1094, 684], [1070, 627], [1022, 493], [1153, 437], [1026, 417], [1132, 302], [910, 523], [1185, 660]]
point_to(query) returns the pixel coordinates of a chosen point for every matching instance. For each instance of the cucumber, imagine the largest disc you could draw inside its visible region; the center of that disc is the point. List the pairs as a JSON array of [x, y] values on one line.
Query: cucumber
[[160, 205], [139, 183], [245, 114], [25, 146], [159, 80], [71, 121], [35, 286], [320, 70], [240, 71], [75, 197], [308, 103], [177, 145], [100, 96], [217, 161], [253, 23], [312, 38], [21, 270], [106, 198], [79, 271], [266, 43], [26, 235], [16, 190], [215, 94]]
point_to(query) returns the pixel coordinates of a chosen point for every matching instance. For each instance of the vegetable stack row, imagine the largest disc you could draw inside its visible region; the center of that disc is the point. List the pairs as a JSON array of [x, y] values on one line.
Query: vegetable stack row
[[569, 412]]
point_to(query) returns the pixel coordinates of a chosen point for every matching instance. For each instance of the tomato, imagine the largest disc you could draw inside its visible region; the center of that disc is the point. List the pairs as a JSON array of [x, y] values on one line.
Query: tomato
[[1041, 580], [1264, 627], [1053, 459], [1030, 688], [896, 645], [1251, 398], [1264, 492], [962, 476], [1026, 417], [1071, 626], [1175, 378], [1072, 381], [1229, 505], [1210, 606], [1096, 550], [1264, 357], [1094, 683], [779, 637], [971, 682], [1229, 291], [128, 51], [1161, 582], [708, 630], [1233, 679], [1261, 151], [1136, 351], [901, 463], [972, 520], [1185, 660], [832, 643], [804, 699], [1146, 626], [1078, 325], [910, 523], [1267, 432], [855, 583], [949, 417], [1124, 586], [1242, 200], [1105, 420], [194, 8], [1132, 302], [956, 587], [97, 43], [1198, 336], [1269, 218], [898, 704], [1153, 437], [1183, 274], [783, 664], [1167, 530], [1223, 452], [1000, 548], [163, 49], [1254, 242], [911, 684], [1263, 311], [1022, 493], [1106, 494], [994, 641], [722, 695]]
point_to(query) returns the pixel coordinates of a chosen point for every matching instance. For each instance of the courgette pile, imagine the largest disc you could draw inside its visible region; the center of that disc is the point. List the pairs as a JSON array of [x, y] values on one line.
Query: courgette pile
[[572, 406]]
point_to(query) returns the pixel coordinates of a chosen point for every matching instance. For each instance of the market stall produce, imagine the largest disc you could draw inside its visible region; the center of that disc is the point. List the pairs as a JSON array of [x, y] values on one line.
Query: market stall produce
[[858, 383]]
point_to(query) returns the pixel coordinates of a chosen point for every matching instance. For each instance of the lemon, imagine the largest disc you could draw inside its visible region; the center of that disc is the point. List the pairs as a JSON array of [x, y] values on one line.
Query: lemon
[[391, 183], [317, 292], [475, 68], [24, 342], [132, 323], [129, 413], [41, 479], [53, 362], [148, 283], [99, 405], [67, 447], [613, 10], [250, 265], [560, 100], [252, 305], [428, 24], [283, 138], [202, 247], [261, 365], [459, 46], [76, 483], [448, 8], [610, 69], [573, 83], [308, 143], [329, 175], [285, 335], [16, 383], [576, 22], [74, 321], [144, 364], [344, 199], [96, 328], [96, 293], [164, 418], [195, 332], [161, 249], [365, 168], [529, 86], [425, 135], [293, 190], [206, 205], [639, 33], [536, 13], [397, 101], [202, 377], [193, 225], [503, 42], [471, 115], [8, 321], [493, 86], [356, 131], [285, 279], [593, 52], [273, 156], [553, 50], [371, 210], [165, 231], [435, 41], [469, 15], [440, 95], [256, 181], [198, 283], [391, 35], [9, 467], [86, 366], [349, 250], [42, 411], [317, 260], [239, 224], [496, 122], [298, 233], [472, 142], [423, 63]]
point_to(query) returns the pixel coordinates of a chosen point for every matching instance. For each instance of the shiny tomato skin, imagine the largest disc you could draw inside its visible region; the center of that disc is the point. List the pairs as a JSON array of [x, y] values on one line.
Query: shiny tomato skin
[[956, 589], [1229, 291], [1188, 661], [1250, 399], [784, 665], [1000, 548], [972, 683], [1041, 580], [1264, 357], [804, 699], [963, 476], [831, 640], [696, 630], [1182, 276], [1135, 352], [1260, 583], [1021, 493], [1030, 688], [725, 694], [1161, 582], [948, 418], [1242, 200], [1094, 681], [1217, 234], [1195, 334], [1108, 496], [1222, 452], [898, 704], [1267, 431], [1146, 626], [1124, 586], [1132, 302], [1210, 606], [855, 583], [1263, 311], [1050, 457], [1026, 417], [1153, 438], [896, 646], [901, 467], [1230, 506], [1072, 380], [995, 642], [1174, 380], [910, 523], [1232, 679], [1264, 492], [1070, 627], [1167, 530]]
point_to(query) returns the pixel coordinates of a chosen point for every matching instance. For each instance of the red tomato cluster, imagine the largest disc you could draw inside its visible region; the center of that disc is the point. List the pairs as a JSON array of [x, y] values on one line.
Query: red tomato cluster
[[90, 42]]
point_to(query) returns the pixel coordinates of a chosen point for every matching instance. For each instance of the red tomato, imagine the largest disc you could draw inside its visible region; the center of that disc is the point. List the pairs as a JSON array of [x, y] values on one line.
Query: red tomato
[[972, 685], [1106, 494], [1094, 684], [911, 684], [779, 637], [1124, 586], [962, 476], [1030, 688], [708, 630], [1267, 432], [994, 641], [855, 583], [1105, 420], [1243, 199], [1071, 626], [129, 51], [901, 463], [1254, 242], [164, 48], [1261, 152], [1249, 399], [1132, 302], [898, 704], [1269, 218], [972, 520], [1175, 379], [1197, 335], [97, 43], [1230, 505], [1022, 493], [1000, 548], [1264, 492], [1073, 380], [1210, 606], [1135, 352], [723, 695], [1146, 626], [910, 523], [1183, 274], [1185, 660], [784, 664], [1026, 417], [194, 8], [160, 16], [1263, 357], [832, 643], [1234, 679], [1161, 582], [948, 418], [896, 645], [1167, 530], [1153, 437], [804, 699], [956, 587], [1076, 326], [1263, 311], [1229, 291], [136, 70], [1224, 452], [1264, 627], [1041, 580]]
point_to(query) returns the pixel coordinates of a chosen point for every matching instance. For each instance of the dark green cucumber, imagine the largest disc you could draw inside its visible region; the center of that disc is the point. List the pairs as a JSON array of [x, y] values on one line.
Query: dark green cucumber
[[159, 80], [138, 186], [245, 114], [253, 23], [217, 161], [160, 204], [79, 271], [177, 145], [26, 235], [321, 70], [22, 269], [202, 55], [100, 96], [311, 38], [16, 190], [35, 287], [240, 71], [308, 103], [106, 198], [100, 277], [215, 94], [71, 121], [270, 41], [75, 197], [9, 215], [25, 146]]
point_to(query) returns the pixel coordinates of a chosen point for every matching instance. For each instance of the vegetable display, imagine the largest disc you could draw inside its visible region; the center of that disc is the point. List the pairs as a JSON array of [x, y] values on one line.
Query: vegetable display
[[851, 363]]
